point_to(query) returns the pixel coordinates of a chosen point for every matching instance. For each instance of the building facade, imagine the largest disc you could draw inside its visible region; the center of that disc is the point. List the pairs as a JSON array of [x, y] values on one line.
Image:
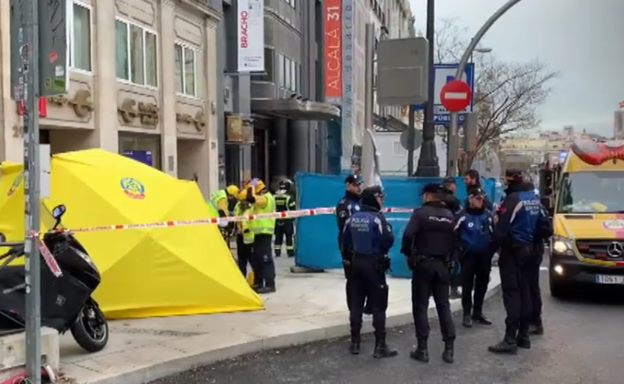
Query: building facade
[[344, 64], [143, 79], [283, 104]]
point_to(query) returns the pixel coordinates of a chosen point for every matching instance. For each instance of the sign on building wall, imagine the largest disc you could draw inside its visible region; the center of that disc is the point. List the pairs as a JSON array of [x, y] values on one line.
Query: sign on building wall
[[347, 102], [332, 26], [250, 35]]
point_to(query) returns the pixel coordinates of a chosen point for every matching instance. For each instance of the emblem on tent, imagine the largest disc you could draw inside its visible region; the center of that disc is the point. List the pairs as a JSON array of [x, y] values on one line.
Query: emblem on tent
[[16, 184], [133, 188]]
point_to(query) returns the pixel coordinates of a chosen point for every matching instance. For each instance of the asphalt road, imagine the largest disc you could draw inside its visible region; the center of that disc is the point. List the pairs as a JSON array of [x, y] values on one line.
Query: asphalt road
[[583, 344]]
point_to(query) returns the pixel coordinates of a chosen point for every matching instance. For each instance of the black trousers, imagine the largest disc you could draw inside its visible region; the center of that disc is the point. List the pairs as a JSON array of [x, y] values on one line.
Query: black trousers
[[430, 276], [534, 286], [368, 282], [476, 270], [262, 258], [244, 253], [515, 269], [284, 229]]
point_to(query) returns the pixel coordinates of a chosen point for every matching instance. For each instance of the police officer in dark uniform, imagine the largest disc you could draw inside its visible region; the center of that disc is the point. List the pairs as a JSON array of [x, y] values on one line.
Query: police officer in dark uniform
[[452, 202], [347, 206], [368, 237], [428, 242], [285, 228], [521, 216], [544, 232]]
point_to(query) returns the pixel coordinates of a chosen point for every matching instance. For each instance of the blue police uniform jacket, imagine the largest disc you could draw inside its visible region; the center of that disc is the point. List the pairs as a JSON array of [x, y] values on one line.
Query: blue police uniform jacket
[[368, 233], [520, 217], [474, 230]]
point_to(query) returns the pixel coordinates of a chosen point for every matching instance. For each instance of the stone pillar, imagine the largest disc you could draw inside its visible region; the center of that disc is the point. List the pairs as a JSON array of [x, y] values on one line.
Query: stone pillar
[[105, 78], [210, 148], [280, 159], [299, 148], [167, 88]]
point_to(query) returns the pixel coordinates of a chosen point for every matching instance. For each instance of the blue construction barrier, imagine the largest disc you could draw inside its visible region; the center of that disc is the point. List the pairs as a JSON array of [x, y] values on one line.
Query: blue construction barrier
[[317, 236]]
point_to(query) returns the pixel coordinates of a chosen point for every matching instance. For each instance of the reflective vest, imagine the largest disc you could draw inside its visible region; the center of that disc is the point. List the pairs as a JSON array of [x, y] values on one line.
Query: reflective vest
[[264, 226], [243, 226], [212, 202]]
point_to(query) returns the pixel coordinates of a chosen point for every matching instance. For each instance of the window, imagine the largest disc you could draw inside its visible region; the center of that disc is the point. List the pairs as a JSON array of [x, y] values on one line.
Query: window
[[287, 76], [80, 38], [591, 192], [293, 76], [136, 54], [185, 64], [282, 70]]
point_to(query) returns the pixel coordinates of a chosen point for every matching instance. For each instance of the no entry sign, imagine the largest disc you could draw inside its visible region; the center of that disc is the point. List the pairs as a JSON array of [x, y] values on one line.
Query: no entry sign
[[456, 96]]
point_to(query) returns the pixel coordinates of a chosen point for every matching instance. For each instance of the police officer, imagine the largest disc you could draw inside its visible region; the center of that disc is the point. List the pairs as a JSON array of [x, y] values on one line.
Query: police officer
[[452, 202], [368, 237], [450, 199], [544, 232], [428, 241], [472, 179], [347, 206], [520, 217], [285, 228], [474, 232]]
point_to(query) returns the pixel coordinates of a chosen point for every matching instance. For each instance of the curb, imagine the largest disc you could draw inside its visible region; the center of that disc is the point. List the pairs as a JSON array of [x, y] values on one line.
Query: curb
[[147, 374]]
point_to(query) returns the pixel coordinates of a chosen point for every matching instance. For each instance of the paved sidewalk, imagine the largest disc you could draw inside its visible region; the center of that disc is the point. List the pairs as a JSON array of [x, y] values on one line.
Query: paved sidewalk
[[306, 308]]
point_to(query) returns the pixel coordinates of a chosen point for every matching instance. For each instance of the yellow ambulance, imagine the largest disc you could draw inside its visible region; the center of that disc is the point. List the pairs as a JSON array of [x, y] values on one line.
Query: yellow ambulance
[[588, 218]]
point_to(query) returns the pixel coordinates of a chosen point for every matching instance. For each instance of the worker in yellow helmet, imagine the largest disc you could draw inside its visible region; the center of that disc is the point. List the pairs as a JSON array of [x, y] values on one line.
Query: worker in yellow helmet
[[221, 201], [262, 202], [244, 234]]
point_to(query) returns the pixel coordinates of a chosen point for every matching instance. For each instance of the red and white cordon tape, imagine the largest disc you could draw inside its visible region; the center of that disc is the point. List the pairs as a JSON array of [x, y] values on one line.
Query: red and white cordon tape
[[56, 270], [234, 219]]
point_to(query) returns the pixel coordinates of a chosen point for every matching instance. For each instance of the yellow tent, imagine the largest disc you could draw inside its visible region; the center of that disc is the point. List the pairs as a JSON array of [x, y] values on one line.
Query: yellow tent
[[145, 272]]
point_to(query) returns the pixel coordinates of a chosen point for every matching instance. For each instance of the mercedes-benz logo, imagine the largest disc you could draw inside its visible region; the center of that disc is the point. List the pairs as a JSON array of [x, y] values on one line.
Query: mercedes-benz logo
[[615, 250]]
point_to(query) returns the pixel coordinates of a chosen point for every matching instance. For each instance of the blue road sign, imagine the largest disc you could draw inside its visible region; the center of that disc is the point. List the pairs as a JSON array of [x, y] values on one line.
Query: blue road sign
[[445, 73]]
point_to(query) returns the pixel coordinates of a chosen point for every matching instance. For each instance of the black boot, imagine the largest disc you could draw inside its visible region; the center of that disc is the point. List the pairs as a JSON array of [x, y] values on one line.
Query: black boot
[[455, 294], [523, 342], [449, 352], [382, 350], [421, 353], [504, 347], [354, 348], [467, 322], [536, 330], [479, 318], [268, 288]]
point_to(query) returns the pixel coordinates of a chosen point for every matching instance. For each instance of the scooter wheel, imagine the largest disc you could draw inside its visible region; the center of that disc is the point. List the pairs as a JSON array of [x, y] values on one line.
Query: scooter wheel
[[83, 330]]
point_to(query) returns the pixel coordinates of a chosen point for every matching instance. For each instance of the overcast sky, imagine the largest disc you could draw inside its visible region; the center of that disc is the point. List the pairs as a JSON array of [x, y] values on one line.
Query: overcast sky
[[583, 39]]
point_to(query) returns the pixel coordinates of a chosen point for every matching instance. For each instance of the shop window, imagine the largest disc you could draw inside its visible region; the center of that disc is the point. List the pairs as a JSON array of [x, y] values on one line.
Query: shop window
[[142, 147]]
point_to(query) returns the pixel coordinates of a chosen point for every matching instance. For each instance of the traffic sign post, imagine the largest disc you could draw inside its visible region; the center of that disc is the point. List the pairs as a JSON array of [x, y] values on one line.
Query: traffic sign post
[[444, 74]]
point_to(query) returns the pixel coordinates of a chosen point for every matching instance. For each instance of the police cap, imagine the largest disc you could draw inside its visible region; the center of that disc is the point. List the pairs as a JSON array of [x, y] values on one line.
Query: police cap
[[353, 179], [373, 192], [449, 181], [476, 192], [432, 188]]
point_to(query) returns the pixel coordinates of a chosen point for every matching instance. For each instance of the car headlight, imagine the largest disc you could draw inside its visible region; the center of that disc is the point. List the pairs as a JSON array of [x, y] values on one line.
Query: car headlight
[[562, 246]]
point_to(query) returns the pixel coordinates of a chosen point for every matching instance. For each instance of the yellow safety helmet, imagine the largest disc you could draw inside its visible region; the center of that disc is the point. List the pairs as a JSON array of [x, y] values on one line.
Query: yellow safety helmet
[[232, 190], [242, 196], [257, 184]]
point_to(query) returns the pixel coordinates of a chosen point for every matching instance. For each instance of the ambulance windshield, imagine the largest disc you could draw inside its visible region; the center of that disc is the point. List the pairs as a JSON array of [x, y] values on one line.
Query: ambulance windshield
[[591, 192]]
